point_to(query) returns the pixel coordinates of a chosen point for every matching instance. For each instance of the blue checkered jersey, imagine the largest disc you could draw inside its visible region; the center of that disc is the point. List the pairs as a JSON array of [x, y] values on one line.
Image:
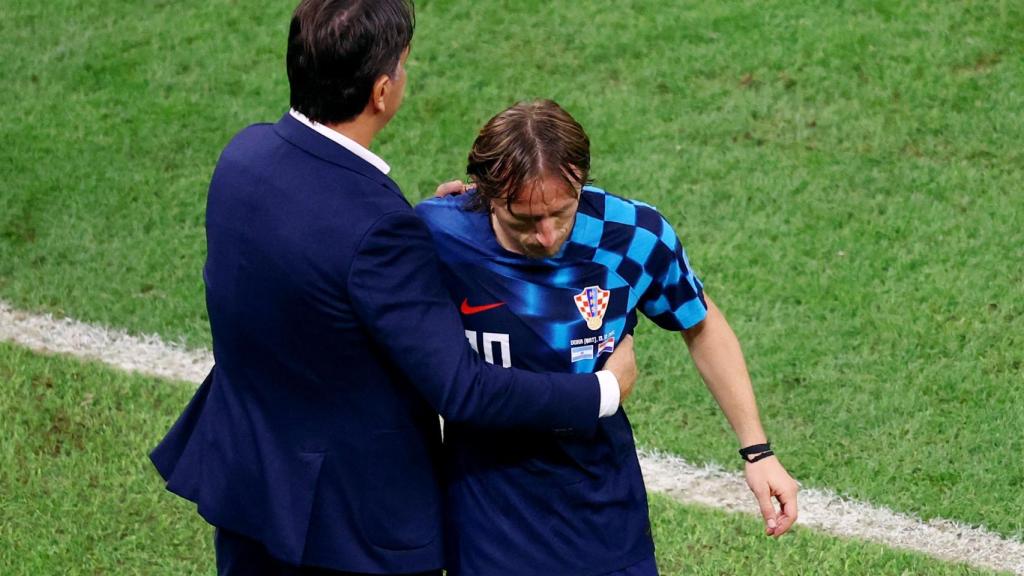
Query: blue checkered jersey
[[524, 503]]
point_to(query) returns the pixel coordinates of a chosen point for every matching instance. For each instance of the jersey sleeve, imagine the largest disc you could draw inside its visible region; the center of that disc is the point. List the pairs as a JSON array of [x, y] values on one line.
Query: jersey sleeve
[[670, 294]]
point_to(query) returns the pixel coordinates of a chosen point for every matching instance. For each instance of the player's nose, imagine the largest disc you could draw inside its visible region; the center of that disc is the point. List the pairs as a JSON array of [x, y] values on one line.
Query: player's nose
[[546, 233]]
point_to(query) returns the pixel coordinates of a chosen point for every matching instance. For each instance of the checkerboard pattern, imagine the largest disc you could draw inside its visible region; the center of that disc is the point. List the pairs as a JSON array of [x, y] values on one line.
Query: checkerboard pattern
[[634, 240]]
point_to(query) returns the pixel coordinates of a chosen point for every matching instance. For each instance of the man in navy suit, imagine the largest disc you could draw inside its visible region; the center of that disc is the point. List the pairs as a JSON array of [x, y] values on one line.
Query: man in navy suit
[[313, 444]]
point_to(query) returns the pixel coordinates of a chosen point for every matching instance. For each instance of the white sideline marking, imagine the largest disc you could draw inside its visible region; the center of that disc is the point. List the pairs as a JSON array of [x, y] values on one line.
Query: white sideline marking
[[709, 486], [826, 511], [147, 354]]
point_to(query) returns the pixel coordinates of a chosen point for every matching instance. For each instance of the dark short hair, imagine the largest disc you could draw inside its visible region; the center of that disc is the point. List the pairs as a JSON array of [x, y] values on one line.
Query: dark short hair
[[337, 49], [523, 144]]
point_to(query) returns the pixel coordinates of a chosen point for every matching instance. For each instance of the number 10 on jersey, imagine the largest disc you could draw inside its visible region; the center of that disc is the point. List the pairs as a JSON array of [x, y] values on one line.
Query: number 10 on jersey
[[488, 341]]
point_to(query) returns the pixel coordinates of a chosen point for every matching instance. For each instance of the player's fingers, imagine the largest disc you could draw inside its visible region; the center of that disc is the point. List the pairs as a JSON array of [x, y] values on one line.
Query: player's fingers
[[789, 506], [788, 513], [783, 524], [764, 502], [787, 500]]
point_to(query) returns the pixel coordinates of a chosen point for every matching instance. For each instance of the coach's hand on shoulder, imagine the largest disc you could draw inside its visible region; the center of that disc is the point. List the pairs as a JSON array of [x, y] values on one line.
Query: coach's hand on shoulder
[[452, 188], [767, 479], [622, 363]]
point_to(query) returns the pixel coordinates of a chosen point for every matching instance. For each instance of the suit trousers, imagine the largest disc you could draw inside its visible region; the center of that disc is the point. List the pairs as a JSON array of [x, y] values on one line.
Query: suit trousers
[[239, 555]]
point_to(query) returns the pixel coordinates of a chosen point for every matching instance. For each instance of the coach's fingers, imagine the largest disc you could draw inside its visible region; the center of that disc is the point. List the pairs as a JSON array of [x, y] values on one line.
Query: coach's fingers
[[449, 188], [622, 363]]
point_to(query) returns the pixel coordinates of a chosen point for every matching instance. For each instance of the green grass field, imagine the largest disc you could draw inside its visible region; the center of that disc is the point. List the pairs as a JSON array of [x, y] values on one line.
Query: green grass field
[[847, 179]]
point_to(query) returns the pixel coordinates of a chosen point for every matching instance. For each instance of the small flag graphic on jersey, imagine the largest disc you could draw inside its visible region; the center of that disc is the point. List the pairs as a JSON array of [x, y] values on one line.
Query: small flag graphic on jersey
[[592, 304], [582, 353], [607, 346]]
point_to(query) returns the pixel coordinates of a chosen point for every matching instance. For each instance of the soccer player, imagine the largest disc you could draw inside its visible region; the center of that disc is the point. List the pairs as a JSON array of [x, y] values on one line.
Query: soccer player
[[549, 274]]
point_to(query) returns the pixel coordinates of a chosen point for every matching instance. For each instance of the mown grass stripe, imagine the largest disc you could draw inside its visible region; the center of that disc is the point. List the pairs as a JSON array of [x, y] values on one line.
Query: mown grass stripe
[[819, 509]]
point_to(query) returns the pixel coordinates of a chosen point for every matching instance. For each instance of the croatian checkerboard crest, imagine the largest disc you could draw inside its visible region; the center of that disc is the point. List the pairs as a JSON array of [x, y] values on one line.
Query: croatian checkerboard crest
[[592, 304]]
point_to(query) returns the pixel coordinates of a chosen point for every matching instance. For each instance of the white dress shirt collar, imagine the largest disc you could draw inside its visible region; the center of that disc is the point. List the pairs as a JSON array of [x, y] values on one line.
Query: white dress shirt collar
[[346, 142]]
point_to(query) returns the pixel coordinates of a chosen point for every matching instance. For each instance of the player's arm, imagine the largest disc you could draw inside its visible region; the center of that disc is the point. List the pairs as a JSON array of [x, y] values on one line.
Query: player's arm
[[716, 352]]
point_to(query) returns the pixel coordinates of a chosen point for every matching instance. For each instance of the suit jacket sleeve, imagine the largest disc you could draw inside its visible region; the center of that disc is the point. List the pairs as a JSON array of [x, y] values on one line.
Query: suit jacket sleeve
[[396, 289]]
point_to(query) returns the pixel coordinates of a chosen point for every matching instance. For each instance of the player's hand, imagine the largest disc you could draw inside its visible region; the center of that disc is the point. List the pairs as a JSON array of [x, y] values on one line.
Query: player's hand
[[451, 188], [767, 479], [622, 364]]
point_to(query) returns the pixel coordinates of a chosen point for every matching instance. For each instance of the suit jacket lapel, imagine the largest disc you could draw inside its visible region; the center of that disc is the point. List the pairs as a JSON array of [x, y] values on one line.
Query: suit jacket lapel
[[316, 144]]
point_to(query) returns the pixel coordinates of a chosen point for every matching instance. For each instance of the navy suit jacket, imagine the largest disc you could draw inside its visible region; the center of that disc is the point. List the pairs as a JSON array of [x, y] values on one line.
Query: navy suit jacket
[[336, 346]]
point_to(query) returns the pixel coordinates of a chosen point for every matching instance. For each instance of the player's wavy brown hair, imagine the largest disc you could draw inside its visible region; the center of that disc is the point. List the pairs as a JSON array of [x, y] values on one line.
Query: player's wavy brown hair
[[523, 144]]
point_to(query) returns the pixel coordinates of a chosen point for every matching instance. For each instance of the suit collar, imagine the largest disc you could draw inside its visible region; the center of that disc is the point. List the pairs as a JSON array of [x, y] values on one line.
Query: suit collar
[[343, 140], [320, 146]]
